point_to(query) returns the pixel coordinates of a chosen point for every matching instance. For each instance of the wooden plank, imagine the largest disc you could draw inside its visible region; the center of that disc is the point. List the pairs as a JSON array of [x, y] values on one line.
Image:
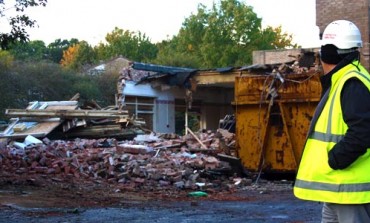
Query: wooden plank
[[40, 126], [9, 129], [55, 103], [39, 130], [20, 127], [196, 138], [216, 78], [67, 114]]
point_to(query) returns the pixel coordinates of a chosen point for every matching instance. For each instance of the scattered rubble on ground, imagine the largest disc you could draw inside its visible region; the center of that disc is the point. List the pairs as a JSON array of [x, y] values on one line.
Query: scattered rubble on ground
[[57, 142], [152, 162]]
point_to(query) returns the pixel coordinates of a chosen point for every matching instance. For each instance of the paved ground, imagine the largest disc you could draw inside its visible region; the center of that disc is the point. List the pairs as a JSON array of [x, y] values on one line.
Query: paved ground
[[267, 202]]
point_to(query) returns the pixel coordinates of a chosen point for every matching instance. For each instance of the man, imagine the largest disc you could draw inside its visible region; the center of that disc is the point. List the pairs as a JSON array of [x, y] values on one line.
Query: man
[[335, 164]]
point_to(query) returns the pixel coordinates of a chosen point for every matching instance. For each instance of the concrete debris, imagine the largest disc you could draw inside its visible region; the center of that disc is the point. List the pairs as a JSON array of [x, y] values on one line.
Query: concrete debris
[[150, 163], [146, 138]]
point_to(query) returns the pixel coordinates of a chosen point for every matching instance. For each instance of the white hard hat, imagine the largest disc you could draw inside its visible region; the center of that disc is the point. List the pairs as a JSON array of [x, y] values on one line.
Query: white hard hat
[[343, 34]]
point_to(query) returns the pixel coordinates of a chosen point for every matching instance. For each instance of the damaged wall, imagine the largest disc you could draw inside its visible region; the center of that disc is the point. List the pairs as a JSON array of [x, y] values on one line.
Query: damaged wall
[[215, 104], [276, 56], [164, 109]]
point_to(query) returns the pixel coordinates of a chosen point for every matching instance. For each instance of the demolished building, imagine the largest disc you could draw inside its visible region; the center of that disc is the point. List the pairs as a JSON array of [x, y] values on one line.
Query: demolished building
[[271, 104], [207, 159]]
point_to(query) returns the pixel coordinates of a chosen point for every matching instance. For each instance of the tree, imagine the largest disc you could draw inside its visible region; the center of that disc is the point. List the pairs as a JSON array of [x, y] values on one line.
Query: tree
[[25, 81], [56, 48], [135, 46], [169, 55], [36, 50], [33, 51], [107, 85], [18, 22], [42, 80], [225, 35], [78, 56], [69, 56], [6, 60], [6, 89], [274, 38]]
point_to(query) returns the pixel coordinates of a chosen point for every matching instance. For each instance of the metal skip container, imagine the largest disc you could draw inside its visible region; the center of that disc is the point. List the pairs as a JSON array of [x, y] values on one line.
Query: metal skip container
[[273, 114]]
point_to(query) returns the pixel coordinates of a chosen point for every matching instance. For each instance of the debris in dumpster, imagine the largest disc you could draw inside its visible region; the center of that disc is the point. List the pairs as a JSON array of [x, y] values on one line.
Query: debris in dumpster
[[274, 111]]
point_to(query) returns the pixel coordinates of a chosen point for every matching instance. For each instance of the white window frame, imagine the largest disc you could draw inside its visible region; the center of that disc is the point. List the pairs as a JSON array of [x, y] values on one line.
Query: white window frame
[[136, 105]]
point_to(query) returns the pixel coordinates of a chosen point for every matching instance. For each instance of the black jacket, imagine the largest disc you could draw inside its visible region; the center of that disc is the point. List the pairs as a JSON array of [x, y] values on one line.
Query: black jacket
[[355, 102]]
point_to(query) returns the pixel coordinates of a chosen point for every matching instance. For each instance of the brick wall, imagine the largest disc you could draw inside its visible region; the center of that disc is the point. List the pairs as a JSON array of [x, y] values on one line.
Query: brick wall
[[274, 56], [355, 11], [278, 56]]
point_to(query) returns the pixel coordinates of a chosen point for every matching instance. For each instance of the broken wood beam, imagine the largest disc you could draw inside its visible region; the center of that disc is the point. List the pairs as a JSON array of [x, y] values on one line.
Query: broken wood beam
[[196, 138], [101, 131], [68, 114], [53, 103], [22, 136]]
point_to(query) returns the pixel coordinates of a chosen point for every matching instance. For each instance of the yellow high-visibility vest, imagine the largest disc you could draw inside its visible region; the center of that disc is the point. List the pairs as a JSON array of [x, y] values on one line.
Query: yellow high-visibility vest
[[315, 180]]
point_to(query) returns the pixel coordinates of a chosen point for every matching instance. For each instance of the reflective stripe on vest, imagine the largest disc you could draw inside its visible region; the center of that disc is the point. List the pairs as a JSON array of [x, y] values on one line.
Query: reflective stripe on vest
[[333, 187]]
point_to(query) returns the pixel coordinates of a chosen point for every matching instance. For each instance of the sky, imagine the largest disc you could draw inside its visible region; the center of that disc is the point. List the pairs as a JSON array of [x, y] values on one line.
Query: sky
[[91, 20]]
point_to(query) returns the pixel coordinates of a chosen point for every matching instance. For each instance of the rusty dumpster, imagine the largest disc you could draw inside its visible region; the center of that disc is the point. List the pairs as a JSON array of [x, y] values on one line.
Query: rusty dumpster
[[273, 113]]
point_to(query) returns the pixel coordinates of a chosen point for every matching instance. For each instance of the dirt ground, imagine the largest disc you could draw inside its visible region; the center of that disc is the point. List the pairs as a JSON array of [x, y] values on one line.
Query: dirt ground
[[89, 181], [45, 200]]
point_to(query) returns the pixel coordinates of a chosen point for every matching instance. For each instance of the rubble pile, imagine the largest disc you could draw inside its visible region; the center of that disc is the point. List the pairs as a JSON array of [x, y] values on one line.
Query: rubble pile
[[149, 162]]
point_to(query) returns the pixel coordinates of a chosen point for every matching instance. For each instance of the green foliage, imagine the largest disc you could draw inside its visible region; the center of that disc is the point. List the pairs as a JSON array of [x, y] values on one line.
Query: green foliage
[[18, 21], [37, 51], [107, 83], [135, 46], [28, 81], [168, 55], [86, 55], [42, 81], [193, 122], [6, 89], [6, 60], [225, 35], [23, 82], [33, 50], [87, 86]]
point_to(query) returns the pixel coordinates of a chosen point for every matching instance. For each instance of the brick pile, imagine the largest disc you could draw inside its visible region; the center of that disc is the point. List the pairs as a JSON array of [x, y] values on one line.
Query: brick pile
[[148, 162]]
